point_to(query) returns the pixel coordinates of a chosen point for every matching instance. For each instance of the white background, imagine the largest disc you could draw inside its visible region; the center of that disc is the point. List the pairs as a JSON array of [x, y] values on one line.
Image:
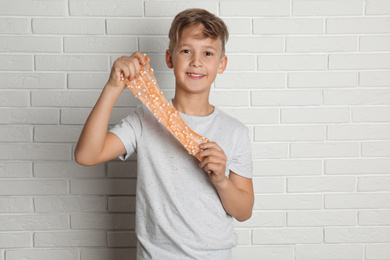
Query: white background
[[311, 80]]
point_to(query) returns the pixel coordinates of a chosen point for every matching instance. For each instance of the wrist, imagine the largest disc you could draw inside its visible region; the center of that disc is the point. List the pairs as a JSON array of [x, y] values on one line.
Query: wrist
[[222, 184]]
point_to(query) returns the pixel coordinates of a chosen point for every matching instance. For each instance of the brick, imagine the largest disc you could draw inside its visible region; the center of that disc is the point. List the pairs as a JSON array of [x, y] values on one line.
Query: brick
[[287, 202], [68, 26], [264, 219], [71, 62], [266, 252], [288, 26], [376, 149], [377, 7], [121, 239], [153, 44], [90, 80], [287, 236], [15, 239], [327, 8], [35, 8], [16, 63], [358, 201], [29, 116], [255, 45], [100, 44], [357, 166], [374, 78], [32, 80], [171, 8], [328, 252], [314, 115], [103, 187], [321, 184], [254, 115], [15, 169], [33, 187], [238, 25], [105, 8], [241, 63], [376, 252], [16, 205], [139, 26], [14, 98], [76, 98], [34, 222], [68, 169], [15, 25], [365, 61], [321, 44], [269, 150], [43, 254], [30, 44], [374, 217], [268, 185], [70, 204], [377, 183], [291, 62], [322, 79], [252, 8], [375, 43], [35, 152], [324, 150], [357, 97], [366, 25], [57, 134], [370, 114], [321, 218], [229, 98], [79, 116], [97, 221], [108, 253], [289, 133], [250, 80], [16, 134], [57, 239], [357, 235], [286, 98], [359, 132], [121, 204], [287, 167]]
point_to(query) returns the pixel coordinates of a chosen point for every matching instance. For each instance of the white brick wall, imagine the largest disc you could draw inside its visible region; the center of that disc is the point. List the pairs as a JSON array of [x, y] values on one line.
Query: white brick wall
[[310, 78]]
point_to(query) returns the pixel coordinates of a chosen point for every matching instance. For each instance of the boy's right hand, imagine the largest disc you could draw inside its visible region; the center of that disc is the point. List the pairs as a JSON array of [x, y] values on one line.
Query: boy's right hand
[[126, 67]]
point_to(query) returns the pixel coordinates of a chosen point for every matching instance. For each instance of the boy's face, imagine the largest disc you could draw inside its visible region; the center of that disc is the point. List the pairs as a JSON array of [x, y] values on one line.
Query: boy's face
[[196, 60]]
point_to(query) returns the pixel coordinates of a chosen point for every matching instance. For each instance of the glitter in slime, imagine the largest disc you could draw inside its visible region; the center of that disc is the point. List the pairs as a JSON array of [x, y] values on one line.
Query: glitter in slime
[[145, 88]]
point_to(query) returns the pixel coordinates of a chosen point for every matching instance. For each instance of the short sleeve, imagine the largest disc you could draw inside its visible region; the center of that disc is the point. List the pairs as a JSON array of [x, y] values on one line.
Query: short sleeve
[[129, 131], [241, 160]]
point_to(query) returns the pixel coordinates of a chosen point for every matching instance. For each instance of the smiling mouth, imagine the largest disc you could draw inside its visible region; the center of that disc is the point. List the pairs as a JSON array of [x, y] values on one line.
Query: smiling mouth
[[195, 75]]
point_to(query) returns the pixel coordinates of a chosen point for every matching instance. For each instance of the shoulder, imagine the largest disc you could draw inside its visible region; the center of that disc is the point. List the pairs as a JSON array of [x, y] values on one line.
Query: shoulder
[[231, 121]]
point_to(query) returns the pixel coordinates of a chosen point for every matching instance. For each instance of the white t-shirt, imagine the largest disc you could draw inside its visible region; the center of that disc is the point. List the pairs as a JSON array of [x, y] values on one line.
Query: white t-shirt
[[178, 212]]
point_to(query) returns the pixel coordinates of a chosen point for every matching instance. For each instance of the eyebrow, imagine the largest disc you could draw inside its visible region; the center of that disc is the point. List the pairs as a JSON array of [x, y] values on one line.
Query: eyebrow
[[205, 46]]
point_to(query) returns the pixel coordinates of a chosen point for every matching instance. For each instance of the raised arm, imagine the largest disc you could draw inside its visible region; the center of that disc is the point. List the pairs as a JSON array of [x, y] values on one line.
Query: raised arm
[[95, 144]]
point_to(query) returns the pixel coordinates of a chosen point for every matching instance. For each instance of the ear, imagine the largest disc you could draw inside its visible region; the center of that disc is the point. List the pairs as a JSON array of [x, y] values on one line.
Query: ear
[[222, 64], [169, 59]]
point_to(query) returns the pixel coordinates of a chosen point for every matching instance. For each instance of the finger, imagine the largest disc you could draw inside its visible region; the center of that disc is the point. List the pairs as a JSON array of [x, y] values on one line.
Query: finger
[[142, 58]]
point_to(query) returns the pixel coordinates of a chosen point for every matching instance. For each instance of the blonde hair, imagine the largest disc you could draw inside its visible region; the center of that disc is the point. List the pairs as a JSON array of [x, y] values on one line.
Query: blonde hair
[[214, 27]]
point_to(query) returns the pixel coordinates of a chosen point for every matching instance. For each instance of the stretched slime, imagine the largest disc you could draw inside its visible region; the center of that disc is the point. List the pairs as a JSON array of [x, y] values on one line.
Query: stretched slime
[[145, 88]]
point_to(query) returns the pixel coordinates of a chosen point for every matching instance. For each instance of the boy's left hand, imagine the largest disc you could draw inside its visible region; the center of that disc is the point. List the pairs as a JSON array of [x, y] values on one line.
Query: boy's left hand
[[213, 162]]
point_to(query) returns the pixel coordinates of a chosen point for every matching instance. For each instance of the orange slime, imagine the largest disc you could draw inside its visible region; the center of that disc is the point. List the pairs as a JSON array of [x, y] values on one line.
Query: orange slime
[[145, 88]]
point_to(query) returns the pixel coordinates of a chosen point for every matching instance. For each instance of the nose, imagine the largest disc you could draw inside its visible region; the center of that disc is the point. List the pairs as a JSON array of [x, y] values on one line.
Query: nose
[[196, 61]]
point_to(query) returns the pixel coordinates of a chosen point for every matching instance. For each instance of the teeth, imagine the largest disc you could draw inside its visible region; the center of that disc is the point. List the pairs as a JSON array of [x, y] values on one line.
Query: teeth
[[195, 75]]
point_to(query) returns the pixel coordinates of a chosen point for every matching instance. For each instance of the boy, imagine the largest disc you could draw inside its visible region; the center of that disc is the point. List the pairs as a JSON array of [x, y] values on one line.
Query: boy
[[184, 207]]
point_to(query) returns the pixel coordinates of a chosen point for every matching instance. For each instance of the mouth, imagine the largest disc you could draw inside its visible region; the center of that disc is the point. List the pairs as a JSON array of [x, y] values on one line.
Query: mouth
[[195, 75]]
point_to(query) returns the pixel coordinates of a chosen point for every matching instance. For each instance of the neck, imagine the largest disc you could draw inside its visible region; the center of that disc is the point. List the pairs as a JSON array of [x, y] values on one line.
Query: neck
[[192, 106]]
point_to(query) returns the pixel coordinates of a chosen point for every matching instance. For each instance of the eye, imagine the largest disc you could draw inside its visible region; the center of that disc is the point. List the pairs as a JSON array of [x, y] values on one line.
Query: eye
[[186, 51], [207, 53]]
